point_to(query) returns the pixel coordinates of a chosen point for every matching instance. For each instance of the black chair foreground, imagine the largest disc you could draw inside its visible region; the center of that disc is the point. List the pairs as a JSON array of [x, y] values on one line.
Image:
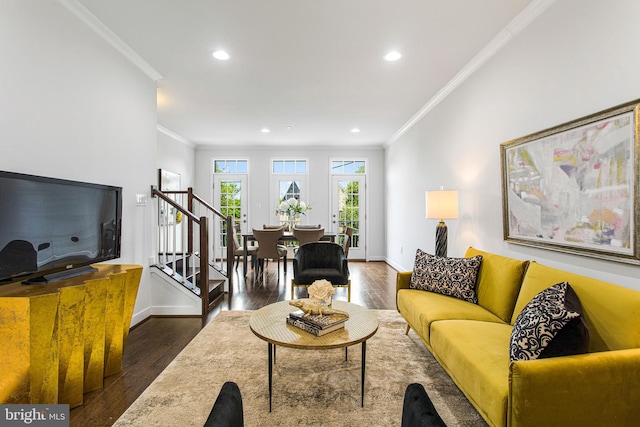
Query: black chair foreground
[[227, 409], [418, 410], [320, 260]]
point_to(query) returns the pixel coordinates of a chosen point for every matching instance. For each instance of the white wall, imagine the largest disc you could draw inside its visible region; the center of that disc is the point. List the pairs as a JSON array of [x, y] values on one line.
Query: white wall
[[579, 57], [177, 157], [260, 197], [72, 107]]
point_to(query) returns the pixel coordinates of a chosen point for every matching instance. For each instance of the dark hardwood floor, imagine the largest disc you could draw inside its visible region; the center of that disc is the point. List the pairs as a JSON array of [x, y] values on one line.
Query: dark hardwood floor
[[154, 343]]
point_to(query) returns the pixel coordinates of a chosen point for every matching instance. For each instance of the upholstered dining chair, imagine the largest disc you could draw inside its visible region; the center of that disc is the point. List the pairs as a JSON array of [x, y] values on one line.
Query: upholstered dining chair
[[348, 233], [268, 247], [320, 260], [307, 234], [238, 249]]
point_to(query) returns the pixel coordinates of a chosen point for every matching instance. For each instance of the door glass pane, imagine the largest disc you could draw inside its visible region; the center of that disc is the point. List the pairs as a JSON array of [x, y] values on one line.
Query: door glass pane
[[230, 204], [288, 189], [349, 209]]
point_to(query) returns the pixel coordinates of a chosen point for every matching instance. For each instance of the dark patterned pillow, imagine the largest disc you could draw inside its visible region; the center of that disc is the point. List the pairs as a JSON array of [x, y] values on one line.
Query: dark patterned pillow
[[550, 325], [455, 277]]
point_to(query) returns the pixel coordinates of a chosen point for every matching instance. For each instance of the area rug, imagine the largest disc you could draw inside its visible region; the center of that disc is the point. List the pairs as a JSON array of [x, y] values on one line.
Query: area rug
[[310, 388]]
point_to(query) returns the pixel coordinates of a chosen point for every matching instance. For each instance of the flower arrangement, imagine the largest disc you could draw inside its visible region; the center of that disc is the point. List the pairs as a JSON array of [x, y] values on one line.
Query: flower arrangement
[[292, 207], [321, 291]]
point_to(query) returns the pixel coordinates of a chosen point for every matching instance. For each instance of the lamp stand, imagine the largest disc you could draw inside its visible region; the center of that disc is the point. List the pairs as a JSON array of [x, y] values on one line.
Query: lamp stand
[[441, 239]]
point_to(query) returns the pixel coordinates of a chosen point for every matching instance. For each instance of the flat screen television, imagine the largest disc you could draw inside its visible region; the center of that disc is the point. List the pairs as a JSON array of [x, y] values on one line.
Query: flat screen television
[[52, 229]]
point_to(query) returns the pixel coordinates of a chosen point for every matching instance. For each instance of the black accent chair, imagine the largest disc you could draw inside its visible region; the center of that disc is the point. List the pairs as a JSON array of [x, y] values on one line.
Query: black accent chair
[[227, 410], [320, 260], [418, 410]]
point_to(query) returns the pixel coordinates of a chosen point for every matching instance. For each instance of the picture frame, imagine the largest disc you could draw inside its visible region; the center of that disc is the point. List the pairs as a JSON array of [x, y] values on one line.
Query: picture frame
[[574, 188], [168, 181]]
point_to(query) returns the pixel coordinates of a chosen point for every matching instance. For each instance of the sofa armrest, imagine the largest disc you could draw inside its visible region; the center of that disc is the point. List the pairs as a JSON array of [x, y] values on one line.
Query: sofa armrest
[[588, 389], [402, 280]]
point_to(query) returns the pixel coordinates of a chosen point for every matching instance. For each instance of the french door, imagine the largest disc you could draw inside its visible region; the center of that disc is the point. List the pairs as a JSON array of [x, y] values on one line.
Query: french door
[[230, 198], [348, 209]]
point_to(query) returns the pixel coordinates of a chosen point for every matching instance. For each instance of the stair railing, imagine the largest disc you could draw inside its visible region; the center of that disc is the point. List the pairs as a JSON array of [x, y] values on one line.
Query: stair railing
[[184, 235]]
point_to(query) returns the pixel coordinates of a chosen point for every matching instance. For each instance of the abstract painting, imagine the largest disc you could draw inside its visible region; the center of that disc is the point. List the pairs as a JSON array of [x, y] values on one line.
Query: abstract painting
[[574, 188]]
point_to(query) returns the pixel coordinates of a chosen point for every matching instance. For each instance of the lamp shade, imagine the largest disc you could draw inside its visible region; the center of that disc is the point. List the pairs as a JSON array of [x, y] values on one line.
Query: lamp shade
[[442, 204]]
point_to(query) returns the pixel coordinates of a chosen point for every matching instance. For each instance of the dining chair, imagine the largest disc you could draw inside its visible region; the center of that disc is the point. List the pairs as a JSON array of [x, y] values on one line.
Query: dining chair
[[348, 232], [305, 235], [268, 247], [238, 249]]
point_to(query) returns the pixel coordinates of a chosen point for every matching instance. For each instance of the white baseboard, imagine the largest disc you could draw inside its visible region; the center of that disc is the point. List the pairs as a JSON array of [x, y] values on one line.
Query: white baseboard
[[175, 310], [397, 267], [140, 316]]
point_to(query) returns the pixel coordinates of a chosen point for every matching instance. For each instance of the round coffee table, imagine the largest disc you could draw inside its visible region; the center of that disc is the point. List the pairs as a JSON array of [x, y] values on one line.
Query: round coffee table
[[269, 324]]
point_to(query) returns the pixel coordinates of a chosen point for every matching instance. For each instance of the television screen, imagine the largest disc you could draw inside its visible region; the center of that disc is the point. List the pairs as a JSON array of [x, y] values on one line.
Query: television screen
[[50, 225]]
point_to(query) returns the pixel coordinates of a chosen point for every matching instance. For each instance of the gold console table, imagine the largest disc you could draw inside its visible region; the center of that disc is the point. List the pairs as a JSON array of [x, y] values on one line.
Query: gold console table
[[61, 339]]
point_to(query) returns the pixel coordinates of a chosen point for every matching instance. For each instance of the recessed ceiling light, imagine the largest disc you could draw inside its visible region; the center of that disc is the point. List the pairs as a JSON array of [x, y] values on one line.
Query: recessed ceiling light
[[221, 55], [265, 130], [392, 56], [355, 130]]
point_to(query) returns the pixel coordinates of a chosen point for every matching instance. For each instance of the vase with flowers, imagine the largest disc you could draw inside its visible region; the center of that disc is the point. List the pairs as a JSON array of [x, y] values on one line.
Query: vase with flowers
[[292, 208]]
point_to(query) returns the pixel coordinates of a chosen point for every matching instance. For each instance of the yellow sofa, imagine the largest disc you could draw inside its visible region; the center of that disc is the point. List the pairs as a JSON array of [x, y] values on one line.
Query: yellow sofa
[[471, 342]]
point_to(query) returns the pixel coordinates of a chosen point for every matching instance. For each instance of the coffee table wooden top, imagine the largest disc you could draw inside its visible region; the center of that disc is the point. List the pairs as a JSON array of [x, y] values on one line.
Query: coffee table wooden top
[[270, 324]]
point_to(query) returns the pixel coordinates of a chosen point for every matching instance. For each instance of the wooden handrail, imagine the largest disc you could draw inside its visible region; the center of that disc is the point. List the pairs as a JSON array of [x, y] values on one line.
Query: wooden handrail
[[202, 222], [176, 205], [207, 205]]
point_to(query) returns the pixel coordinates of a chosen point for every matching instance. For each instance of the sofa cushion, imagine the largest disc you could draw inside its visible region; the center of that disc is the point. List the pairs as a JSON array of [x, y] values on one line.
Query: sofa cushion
[[550, 325], [475, 354], [420, 309], [611, 312], [498, 283], [454, 277]]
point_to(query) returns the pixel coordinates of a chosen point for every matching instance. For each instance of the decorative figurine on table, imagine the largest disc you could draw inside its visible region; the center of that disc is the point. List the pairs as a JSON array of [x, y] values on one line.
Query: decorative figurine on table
[[319, 301], [321, 292]]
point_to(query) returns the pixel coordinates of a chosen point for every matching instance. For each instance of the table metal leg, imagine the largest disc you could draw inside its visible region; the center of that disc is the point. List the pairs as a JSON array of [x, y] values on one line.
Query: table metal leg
[[270, 348], [364, 356]]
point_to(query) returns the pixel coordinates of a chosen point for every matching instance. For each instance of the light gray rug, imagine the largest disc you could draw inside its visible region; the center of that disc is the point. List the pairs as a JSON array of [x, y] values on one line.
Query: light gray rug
[[310, 388]]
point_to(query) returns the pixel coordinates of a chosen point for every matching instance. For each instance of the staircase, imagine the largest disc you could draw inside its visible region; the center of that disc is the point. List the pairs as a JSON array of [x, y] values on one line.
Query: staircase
[[192, 247]]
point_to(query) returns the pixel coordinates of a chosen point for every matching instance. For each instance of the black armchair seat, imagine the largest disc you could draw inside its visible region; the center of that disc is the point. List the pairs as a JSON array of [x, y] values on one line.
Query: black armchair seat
[[320, 260], [334, 275]]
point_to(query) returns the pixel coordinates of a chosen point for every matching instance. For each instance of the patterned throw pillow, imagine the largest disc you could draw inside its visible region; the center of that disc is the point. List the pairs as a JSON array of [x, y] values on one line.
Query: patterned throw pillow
[[550, 325], [455, 277]]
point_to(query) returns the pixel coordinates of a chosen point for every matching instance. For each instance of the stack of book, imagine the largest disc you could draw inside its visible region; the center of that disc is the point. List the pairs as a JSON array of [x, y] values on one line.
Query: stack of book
[[315, 324]]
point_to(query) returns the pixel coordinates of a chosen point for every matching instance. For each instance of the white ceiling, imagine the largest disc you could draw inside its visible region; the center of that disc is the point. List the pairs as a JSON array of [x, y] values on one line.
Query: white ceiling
[[313, 65]]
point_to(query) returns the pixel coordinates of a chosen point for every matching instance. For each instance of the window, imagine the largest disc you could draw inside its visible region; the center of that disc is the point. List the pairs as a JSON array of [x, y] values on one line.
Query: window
[[289, 166], [230, 166], [347, 167]]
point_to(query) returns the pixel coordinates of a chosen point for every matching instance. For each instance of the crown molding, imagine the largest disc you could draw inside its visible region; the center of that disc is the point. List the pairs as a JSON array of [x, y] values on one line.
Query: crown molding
[[175, 136], [84, 15], [515, 26]]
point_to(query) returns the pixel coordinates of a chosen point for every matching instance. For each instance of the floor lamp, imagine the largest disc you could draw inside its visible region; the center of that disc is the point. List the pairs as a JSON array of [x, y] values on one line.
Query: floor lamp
[[442, 204]]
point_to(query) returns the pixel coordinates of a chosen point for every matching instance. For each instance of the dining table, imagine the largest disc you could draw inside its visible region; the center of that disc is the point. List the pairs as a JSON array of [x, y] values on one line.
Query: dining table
[[286, 237]]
